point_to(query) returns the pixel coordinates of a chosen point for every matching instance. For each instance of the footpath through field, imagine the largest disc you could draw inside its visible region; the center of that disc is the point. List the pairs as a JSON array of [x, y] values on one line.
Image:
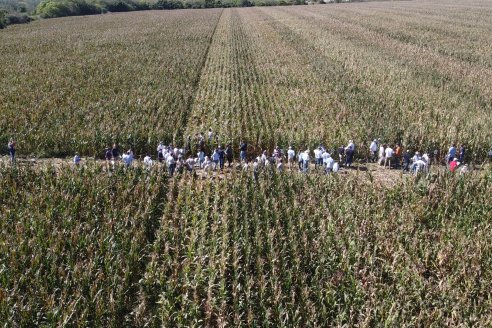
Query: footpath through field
[[373, 173]]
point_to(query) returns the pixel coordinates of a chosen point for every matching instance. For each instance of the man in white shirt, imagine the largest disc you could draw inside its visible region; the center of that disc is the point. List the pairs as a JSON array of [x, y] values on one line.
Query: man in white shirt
[[329, 162], [147, 161], [171, 164], [305, 161], [373, 148], [318, 158], [290, 156], [388, 152]]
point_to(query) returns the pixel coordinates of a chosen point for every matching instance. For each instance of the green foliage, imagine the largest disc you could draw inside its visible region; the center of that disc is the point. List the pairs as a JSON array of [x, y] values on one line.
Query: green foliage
[[61, 8], [88, 247]]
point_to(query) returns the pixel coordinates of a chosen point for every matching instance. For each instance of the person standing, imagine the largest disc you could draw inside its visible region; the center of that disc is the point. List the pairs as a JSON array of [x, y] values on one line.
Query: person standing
[[397, 156], [11, 146], [221, 154], [406, 161], [451, 153], [305, 161], [215, 159], [115, 153], [243, 149], [228, 154], [171, 164], [373, 150], [461, 157], [329, 162], [341, 152], [388, 152], [318, 158], [108, 154], [147, 161], [290, 156], [76, 159], [349, 151]]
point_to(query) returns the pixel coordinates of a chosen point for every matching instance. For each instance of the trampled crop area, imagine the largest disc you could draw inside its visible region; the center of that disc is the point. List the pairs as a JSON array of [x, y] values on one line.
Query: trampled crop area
[[133, 247], [418, 73]]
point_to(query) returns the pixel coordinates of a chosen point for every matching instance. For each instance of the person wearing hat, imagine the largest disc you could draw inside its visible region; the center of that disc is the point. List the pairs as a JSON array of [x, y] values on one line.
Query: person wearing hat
[[305, 161], [290, 156], [76, 159]]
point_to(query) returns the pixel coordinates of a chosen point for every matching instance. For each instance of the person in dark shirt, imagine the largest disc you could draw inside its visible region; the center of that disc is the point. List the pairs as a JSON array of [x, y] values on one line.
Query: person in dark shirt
[[462, 154], [228, 153], [221, 153], [243, 150], [108, 154], [115, 152], [406, 161]]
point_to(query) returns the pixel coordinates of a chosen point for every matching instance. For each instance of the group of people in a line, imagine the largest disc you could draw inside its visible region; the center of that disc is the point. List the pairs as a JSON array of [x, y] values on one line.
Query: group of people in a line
[[214, 158]]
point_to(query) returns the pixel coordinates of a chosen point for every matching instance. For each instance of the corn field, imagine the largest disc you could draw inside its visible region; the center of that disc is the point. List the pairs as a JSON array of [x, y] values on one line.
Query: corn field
[[417, 73], [88, 248]]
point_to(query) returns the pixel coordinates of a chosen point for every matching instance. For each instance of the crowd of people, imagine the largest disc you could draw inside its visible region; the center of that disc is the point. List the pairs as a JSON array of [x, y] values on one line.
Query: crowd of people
[[209, 158]]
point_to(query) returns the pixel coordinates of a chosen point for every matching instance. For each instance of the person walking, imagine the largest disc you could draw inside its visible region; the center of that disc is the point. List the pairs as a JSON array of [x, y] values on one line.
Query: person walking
[[382, 150], [11, 146]]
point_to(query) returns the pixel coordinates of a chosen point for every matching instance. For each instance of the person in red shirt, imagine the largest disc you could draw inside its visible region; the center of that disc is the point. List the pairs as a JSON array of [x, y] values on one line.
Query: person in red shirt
[[453, 165]]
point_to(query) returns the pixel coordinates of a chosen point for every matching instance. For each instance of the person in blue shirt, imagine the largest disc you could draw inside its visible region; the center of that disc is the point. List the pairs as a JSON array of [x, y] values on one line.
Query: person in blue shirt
[[243, 149], [451, 153]]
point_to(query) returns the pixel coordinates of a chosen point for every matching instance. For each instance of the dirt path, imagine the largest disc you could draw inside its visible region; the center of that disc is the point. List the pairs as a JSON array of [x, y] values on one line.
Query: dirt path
[[379, 175]]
